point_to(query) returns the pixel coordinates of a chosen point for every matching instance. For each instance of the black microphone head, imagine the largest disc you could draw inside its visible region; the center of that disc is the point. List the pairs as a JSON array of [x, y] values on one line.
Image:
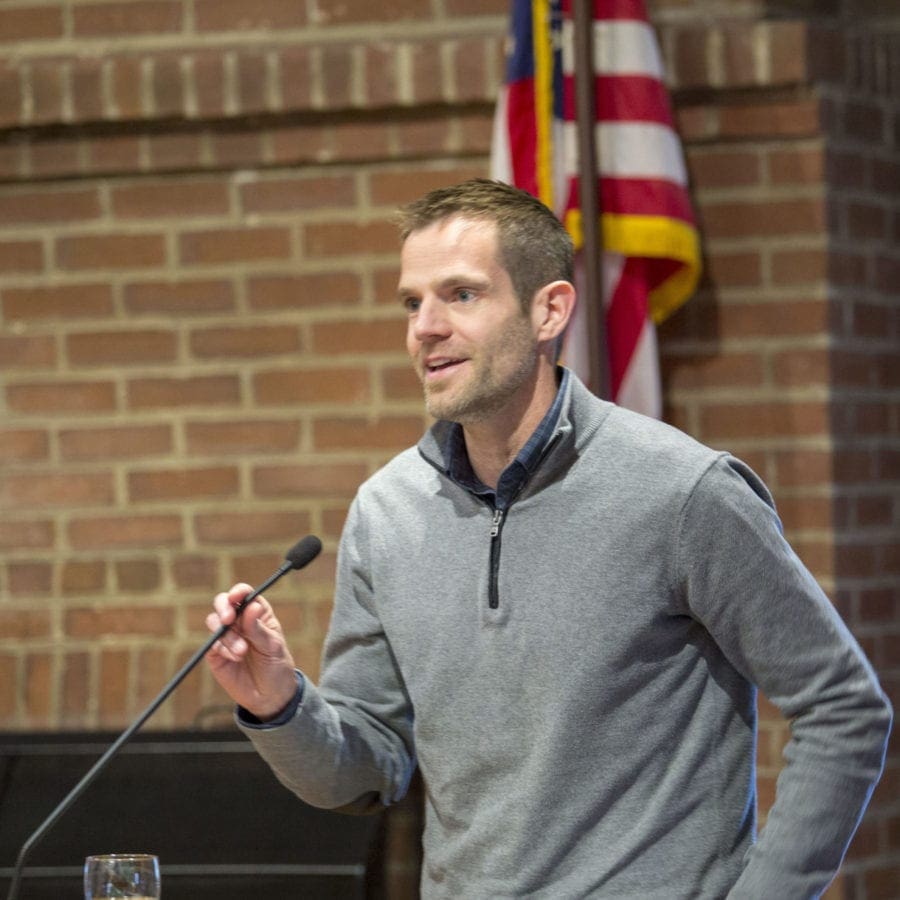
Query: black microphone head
[[304, 551]]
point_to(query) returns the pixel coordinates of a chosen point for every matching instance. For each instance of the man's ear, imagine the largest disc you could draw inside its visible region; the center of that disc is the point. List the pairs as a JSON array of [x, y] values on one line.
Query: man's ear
[[553, 307]]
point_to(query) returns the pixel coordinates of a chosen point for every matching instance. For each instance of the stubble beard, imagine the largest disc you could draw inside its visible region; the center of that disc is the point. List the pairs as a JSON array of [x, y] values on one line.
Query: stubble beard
[[487, 388]]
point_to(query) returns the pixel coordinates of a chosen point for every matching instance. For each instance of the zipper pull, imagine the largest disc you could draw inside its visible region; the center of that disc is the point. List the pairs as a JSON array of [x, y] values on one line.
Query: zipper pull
[[495, 523]]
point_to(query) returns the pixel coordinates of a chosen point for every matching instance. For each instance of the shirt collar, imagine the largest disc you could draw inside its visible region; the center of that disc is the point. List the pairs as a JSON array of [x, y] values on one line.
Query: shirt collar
[[514, 476]]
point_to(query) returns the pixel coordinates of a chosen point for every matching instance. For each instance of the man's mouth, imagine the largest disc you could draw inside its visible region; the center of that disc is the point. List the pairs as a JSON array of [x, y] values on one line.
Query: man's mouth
[[438, 367]]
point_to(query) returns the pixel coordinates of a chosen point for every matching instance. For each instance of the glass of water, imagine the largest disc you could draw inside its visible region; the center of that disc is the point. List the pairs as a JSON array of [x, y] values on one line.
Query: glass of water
[[125, 875]]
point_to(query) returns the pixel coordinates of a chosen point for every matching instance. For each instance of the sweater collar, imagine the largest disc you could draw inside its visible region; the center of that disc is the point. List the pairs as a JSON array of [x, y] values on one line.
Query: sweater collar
[[445, 447]]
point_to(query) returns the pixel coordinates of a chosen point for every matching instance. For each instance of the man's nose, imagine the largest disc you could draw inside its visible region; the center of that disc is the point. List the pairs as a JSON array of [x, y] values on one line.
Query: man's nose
[[431, 321]]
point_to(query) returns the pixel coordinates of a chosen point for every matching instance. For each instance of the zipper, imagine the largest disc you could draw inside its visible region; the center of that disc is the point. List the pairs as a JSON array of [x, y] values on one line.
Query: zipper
[[493, 586]]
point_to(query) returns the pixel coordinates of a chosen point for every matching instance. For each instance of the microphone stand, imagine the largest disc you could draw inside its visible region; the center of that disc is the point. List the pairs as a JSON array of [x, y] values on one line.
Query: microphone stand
[[299, 555]]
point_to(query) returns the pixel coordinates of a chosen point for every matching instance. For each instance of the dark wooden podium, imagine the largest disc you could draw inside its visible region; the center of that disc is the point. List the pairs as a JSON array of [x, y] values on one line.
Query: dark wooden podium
[[204, 802]]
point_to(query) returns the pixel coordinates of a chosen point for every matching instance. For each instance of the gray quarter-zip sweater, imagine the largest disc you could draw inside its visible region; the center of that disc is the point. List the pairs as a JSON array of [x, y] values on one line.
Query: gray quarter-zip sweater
[[590, 733]]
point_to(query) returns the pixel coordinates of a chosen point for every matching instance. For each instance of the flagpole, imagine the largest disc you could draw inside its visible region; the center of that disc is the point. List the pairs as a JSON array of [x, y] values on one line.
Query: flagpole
[[589, 193]]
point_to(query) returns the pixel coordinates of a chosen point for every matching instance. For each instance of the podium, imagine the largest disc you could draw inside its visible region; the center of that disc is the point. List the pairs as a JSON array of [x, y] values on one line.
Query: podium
[[204, 802]]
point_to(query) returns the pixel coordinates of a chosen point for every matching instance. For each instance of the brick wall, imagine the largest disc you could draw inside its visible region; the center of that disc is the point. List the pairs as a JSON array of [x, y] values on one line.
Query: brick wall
[[202, 356]]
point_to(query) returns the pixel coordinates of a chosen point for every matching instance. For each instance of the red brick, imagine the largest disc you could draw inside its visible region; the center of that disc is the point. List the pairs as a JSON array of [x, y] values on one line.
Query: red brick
[[22, 207], [173, 298], [335, 69], [163, 199], [728, 219], [788, 52], [51, 157], [71, 398], [689, 62], [138, 574], [9, 683], [242, 437], [357, 11], [38, 681], [799, 266], [29, 579], [401, 384], [175, 151], [119, 348], [195, 571], [291, 195], [201, 390], [23, 624], [434, 137], [350, 238], [167, 81], [225, 527], [300, 143], [234, 245], [86, 79], [784, 119], [694, 371], [111, 251], [360, 141], [733, 269], [117, 442], [10, 95], [23, 445], [250, 341], [386, 281], [724, 168], [308, 480], [295, 77], [377, 336], [267, 293], [26, 535], [46, 79], [237, 148], [83, 577], [21, 256], [127, 18], [208, 81], [391, 188], [111, 532], [113, 153], [105, 621], [796, 165], [113, 680], [312, 386], [126, 76], [63, 302], [30, 23], [55, 158], [47, 489], [252, 81], [183, 484], [236, 15], [384, 433], [153, 671], [469, 60], [764, 419], [381, 78], [75, 688], [469, 8], [28, 352]]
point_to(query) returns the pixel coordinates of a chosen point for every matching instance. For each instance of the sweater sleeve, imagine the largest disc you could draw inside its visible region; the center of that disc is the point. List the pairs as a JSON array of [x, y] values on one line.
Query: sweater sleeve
[[769, 617], [349, 743]]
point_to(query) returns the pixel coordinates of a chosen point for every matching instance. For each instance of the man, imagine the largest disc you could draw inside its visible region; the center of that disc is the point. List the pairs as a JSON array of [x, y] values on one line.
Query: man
[[560, 611]]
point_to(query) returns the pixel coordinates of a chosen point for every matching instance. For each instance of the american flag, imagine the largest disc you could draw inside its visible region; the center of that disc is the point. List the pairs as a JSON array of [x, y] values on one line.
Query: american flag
[[651, 260]]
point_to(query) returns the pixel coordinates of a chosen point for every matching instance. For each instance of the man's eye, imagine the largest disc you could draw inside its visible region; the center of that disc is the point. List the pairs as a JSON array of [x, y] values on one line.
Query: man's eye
[[465, 295], [411, 304]]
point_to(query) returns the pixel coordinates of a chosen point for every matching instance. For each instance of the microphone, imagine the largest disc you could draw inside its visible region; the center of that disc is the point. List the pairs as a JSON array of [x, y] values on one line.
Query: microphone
[[300, 555]]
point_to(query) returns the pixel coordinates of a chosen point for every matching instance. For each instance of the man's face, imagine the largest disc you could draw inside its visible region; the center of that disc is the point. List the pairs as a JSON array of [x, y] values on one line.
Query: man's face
[[471, 344]]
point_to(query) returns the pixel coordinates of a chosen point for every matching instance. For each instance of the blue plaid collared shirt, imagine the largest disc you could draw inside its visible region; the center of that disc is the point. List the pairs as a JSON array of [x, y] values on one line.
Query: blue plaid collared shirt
[[514, 476]]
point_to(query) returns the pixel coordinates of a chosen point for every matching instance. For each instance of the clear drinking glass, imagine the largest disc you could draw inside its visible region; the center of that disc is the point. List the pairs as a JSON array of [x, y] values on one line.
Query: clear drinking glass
[[131, 875]]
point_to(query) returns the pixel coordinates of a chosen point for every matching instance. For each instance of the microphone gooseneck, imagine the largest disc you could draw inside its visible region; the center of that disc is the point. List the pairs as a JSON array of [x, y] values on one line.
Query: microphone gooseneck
[[300, 555]]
